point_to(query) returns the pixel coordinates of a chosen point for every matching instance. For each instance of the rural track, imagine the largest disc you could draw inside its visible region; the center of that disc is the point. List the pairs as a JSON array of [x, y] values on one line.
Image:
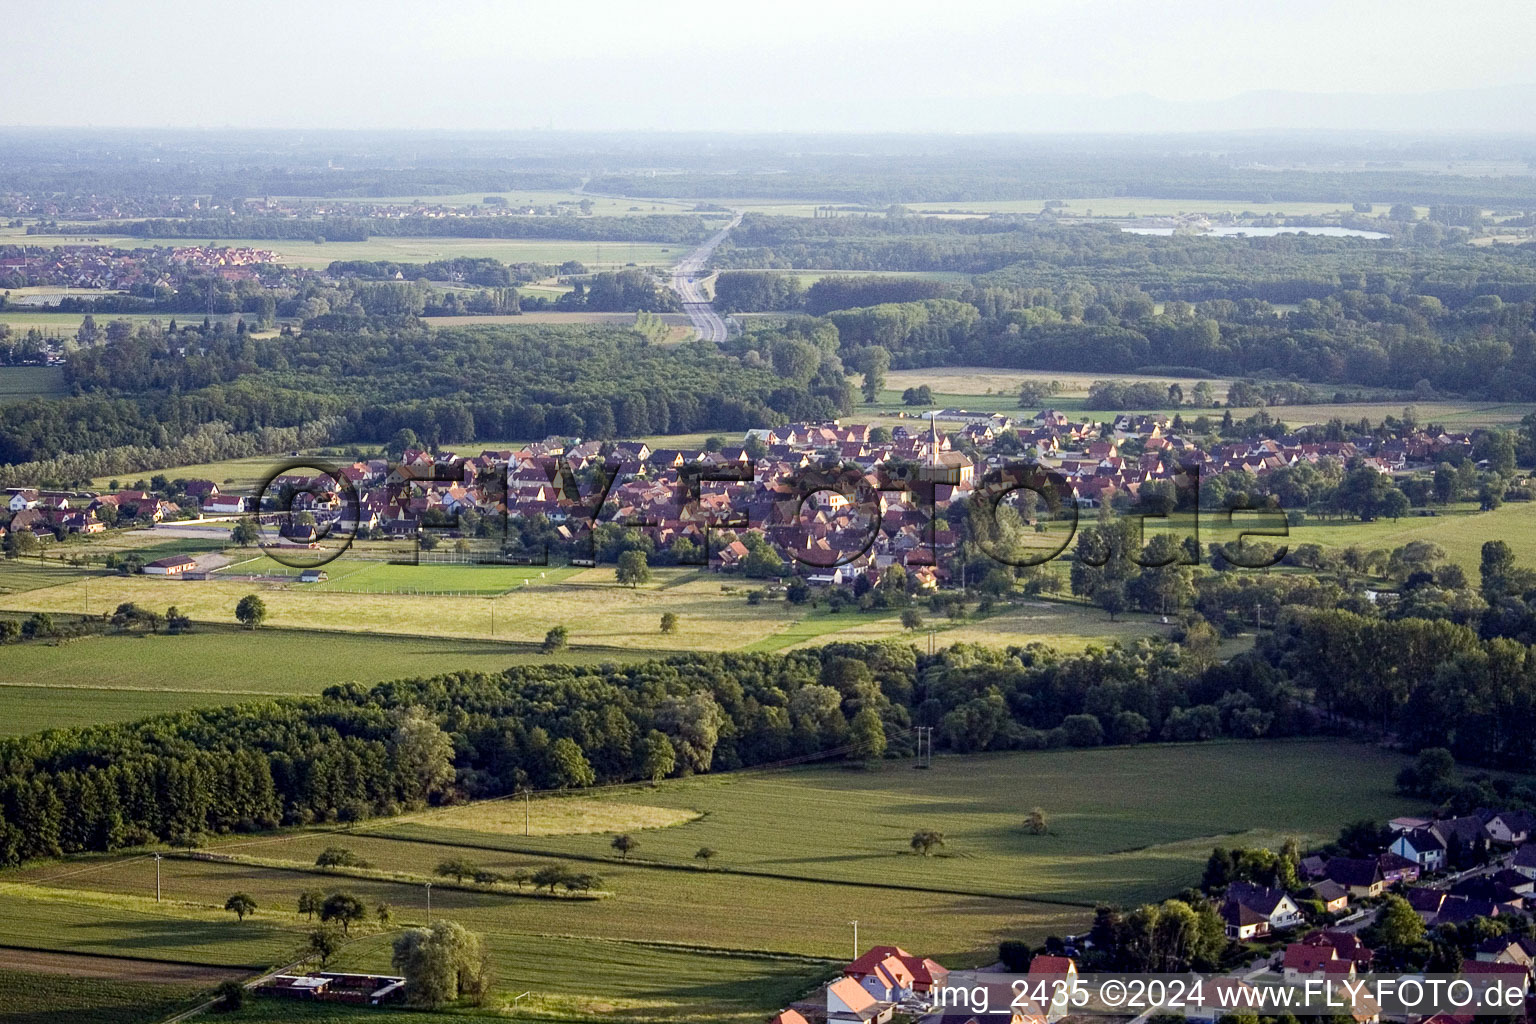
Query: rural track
[[685, 281]]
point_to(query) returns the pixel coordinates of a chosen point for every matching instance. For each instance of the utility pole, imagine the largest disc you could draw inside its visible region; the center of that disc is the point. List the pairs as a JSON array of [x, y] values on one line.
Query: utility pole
[[855, 939], [429, 902], [921, 761], [157, 878]]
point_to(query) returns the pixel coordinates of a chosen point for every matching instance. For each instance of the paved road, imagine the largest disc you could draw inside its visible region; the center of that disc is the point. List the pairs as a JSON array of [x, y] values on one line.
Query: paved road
[[685, 281]]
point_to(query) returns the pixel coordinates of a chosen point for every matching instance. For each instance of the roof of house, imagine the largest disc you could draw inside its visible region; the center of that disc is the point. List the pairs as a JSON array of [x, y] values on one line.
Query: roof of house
[[924, 971], [1307, 959], [1352, 871], [1327, 890], [788, 1017], [852, 994]]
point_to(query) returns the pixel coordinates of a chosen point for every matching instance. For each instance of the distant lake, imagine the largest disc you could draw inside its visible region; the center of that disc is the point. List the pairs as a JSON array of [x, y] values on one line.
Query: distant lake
[[1225, 231]]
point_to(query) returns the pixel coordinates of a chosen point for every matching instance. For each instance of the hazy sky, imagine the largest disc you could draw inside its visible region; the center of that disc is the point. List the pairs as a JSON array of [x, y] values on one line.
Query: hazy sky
[[725, 64]]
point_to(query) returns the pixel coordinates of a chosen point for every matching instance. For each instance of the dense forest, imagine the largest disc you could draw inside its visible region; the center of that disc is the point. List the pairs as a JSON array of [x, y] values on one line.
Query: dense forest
[[371, 377]]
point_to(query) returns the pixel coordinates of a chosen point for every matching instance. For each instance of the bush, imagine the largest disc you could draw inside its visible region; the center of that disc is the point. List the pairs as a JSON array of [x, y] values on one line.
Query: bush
[[1015, 954], [231, 995]]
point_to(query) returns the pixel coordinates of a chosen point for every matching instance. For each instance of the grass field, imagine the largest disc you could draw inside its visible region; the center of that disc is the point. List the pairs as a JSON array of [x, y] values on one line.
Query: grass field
[[1461, 530], [1126, 824], [567, 816], [19, 383], [35, 998], [988, 390], [122, 678], [103, 923], [800, 853], [310, 255]]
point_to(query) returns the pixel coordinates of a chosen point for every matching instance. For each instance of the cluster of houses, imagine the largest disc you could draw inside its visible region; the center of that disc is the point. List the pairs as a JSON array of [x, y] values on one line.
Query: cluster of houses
[[109, 268], [1417, 848], [52, 515], [712, 498]]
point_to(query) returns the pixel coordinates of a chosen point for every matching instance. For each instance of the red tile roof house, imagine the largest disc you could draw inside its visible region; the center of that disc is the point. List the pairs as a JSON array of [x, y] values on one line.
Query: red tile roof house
[[926, 975], [1303, 962]]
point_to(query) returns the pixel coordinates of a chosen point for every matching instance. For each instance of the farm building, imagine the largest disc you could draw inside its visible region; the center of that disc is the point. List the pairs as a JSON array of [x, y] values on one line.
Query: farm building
[[313, 576], [331, 987], [172, 566]]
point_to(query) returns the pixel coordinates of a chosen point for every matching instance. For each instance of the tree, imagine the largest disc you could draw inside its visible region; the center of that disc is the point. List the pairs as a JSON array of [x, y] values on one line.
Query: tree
[[660, 756], [344, 909], [1111, 597], [456, 868], [231, 995], [911, 618], [925, 841], [403, 441], [867, 734], [1398, 926], [557, 639], [240, 904], [706, 854], [568, 765], [423, 755], [251, 612], [669, 622], [339, 857], [245, 533], [384, 914], [1035, 822], [633, 569], [310, 902], [624, 843], [873, 362], [324, 943]]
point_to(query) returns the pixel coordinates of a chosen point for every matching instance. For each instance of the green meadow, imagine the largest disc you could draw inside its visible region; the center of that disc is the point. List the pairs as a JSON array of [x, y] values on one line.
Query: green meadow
[[798, 854]]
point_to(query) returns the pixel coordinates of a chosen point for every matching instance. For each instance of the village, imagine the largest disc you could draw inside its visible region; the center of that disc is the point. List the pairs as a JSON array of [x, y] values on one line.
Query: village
[[841, 500], [139, 270]]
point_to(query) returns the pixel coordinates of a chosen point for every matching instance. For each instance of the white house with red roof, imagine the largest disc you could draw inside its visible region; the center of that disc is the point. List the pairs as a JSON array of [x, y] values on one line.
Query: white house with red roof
[[848, 1002]]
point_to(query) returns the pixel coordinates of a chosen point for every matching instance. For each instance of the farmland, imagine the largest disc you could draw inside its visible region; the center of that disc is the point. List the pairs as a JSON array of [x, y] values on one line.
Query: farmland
[[988, 390], [1127, 825], [30, 998], [409, 249], [488, 603], [120, 678], [674, 938]]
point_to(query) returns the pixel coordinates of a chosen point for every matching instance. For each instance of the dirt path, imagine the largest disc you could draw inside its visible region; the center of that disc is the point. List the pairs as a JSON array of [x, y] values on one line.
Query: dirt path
[[116, 968]]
